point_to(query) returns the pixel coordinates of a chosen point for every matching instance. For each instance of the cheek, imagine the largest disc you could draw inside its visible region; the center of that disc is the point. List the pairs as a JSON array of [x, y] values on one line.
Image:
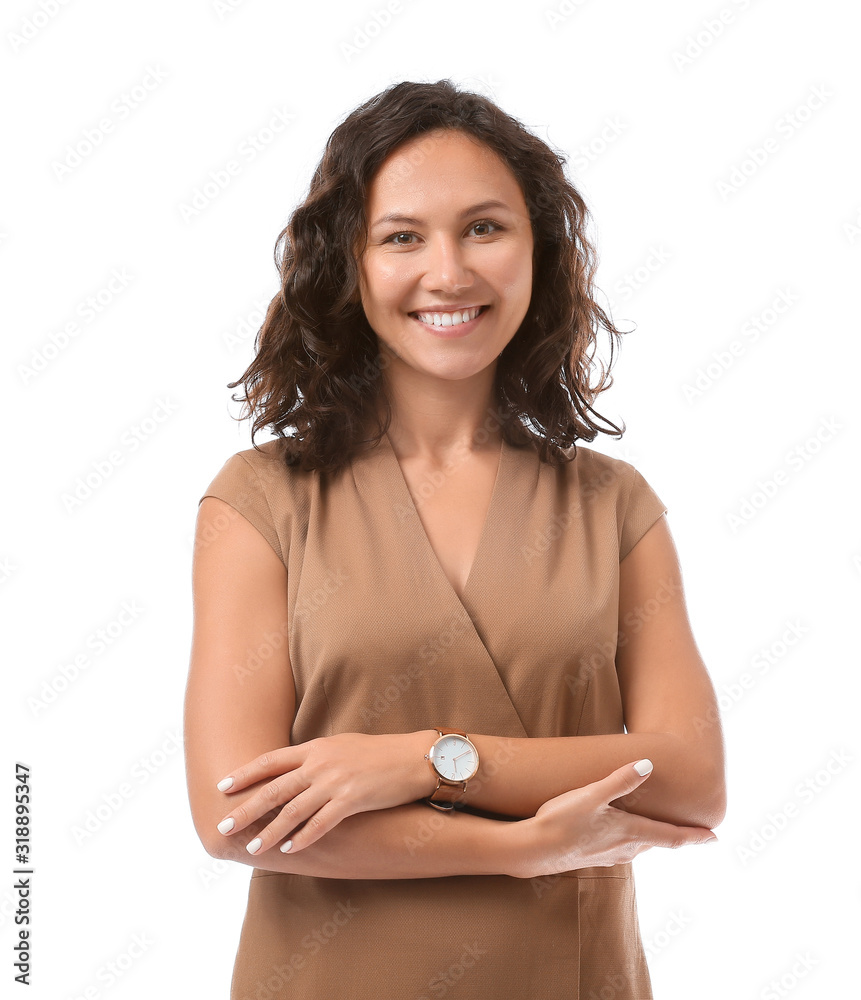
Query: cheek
[[388, 283], [515, 274], [389, 268]]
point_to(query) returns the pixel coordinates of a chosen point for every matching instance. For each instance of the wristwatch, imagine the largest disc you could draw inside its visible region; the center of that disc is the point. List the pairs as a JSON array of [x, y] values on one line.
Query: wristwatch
[[453, 759]]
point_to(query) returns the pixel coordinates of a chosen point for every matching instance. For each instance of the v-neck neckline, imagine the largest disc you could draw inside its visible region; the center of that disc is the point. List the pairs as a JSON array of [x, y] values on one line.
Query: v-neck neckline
[[484, 538]]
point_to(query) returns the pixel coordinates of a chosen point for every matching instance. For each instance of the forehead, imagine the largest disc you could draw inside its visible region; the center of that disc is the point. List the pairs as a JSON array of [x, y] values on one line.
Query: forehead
[[448, 167]]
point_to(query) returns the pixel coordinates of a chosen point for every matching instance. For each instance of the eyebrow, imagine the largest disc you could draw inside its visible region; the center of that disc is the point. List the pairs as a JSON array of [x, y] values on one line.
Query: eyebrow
[[408, 220]]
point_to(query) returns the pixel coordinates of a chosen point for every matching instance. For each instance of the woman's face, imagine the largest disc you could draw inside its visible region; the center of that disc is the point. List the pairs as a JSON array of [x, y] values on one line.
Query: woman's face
[[447, 248]]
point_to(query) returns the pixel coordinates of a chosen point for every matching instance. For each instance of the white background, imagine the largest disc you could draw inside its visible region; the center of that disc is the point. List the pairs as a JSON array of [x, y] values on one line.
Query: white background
[[664, 112]]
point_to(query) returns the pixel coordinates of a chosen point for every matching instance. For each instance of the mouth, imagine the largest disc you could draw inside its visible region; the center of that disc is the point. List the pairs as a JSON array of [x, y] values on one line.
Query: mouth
[[450, 324]]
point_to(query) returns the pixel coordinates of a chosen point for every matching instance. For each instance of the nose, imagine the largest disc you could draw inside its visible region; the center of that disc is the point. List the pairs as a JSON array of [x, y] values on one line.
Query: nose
[[446, 267]]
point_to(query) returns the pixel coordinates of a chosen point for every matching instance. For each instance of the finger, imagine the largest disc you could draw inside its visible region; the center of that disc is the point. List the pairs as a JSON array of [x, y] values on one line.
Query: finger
[[659, 834], [267, 765], [303, 810], [288, 822], [318, 825], [621, 781], [654, 832], [273, 795]]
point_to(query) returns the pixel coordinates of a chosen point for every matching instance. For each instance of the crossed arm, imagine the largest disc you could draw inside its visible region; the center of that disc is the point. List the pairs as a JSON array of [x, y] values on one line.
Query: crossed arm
[[669, 704], [670, 713]]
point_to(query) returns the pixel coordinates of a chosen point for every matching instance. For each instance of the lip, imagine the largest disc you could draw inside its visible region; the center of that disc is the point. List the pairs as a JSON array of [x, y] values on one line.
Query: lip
[[450, 332], [449, 308]]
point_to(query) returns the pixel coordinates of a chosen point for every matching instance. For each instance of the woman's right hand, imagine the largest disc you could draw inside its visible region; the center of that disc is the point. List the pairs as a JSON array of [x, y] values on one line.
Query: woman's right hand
[[580, 829]]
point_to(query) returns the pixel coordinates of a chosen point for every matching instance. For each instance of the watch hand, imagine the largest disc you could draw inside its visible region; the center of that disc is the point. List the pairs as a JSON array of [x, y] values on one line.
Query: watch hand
[[456, 765]]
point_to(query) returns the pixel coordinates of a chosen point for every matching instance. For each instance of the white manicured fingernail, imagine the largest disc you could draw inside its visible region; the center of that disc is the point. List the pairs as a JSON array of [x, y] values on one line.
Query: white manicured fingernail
[[285, 847], [254, 846], [224, 784], [226, 825], [643, 766]]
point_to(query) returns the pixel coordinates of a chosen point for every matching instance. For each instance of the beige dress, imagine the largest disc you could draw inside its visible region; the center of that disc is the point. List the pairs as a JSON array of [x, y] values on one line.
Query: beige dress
[[380, 642]]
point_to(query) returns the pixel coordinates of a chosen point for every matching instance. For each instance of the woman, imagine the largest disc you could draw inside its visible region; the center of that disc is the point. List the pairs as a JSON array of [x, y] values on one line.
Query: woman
[[424, 622]]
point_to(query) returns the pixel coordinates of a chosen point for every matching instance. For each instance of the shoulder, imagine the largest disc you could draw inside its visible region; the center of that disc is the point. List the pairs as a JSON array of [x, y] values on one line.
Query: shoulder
[[613, 491], [263, 468], [259, 485], [598, 475], [266, 461]]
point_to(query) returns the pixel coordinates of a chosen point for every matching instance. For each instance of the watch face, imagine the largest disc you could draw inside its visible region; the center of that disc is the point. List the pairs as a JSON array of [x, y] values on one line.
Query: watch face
[[455, 758]]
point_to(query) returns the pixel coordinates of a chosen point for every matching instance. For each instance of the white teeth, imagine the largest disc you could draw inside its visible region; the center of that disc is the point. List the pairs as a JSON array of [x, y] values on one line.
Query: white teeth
[[449, 319]]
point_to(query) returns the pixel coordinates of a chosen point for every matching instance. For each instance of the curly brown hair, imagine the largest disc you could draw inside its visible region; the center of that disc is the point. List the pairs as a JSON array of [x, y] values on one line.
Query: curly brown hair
[[317, 367]]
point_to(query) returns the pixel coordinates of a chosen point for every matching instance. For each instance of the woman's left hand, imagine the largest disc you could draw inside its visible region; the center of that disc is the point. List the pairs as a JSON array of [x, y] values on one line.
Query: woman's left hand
[[324, 780]]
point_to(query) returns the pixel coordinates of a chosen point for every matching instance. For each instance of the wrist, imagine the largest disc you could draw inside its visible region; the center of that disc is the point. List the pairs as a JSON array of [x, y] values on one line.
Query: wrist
[[514, 847], [422, 778], [485, 846]]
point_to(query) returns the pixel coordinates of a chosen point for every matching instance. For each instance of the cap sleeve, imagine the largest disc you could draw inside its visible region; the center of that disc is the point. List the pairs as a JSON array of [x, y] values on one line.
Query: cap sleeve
[[644, 507], [239, 484]]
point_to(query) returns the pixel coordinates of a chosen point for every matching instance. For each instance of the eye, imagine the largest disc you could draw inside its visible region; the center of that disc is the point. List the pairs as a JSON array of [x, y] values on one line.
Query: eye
[[485, 223], [394, 238]]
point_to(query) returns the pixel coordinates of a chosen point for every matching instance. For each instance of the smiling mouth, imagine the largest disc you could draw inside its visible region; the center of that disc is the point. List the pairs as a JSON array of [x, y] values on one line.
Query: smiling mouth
[[449, 319]]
